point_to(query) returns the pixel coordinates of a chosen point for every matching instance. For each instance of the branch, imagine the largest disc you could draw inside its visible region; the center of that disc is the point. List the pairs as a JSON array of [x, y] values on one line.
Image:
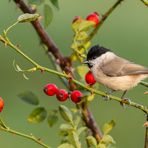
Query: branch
[[104, 17], [5, 128], [7, 42], [63, 62]]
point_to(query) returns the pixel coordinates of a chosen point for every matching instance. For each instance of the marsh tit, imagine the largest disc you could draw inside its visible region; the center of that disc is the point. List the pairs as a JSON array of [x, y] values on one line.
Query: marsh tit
[[113, 71]]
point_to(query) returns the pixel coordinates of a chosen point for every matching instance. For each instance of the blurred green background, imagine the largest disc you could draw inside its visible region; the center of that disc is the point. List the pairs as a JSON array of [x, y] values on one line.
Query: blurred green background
[[125, 31]]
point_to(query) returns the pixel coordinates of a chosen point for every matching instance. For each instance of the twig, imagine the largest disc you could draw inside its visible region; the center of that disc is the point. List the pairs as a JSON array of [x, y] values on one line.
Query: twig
[[104, 17], [146, 135], [31, 137], [7, 42]]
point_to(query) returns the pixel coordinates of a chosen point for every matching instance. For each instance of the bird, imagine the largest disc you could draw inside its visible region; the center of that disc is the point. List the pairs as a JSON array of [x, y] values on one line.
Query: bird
[[113, 71]]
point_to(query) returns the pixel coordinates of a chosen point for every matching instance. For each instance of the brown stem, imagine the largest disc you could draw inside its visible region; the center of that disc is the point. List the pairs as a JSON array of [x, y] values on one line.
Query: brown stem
[[89, 121], [62, 61], [146, 135]]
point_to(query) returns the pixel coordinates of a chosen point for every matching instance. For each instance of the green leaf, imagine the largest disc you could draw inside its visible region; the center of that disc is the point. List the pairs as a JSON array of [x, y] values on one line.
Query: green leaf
[[55, 3], [38, 115], [36, 2], [48, 15], [29, 97], [82, 70], [91, 141], [107, 139], [66, 145], [27, 17], [75, 140], [108, 127], [52, 118], [65, 113], [81, 130], [66, 127], [101, 145]]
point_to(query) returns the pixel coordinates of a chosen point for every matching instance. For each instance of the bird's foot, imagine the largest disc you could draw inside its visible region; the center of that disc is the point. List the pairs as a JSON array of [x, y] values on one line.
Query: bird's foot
[[125, 101]]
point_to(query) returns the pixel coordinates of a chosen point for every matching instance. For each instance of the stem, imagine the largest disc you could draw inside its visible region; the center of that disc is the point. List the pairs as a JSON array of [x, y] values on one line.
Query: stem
[[31, 137], [39, 67], [10, 27], [146, 135], [104, 17]]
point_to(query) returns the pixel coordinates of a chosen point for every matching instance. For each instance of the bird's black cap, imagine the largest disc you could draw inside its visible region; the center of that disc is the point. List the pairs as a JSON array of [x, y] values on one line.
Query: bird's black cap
[[96, 51]]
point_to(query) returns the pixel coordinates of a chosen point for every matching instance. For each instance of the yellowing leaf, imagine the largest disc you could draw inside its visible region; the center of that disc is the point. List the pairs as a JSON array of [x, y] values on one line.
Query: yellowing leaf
[[108, 127], [82, 70], [27, 17], [66, 145], [92, 141], [38, 115], [107, 139]]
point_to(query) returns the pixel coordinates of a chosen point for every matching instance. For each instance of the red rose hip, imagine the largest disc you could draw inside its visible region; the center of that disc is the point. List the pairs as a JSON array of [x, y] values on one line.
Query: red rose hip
[[89, 78], [50, 89], [94, 17], [1, 104], [76, 96], [62, 95]]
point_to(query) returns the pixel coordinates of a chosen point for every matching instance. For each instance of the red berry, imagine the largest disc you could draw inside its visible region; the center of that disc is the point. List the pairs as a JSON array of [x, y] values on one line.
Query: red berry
[[1, 104], [62, 95], [76, 96], [89, 78], [50, 89], [94, 17]]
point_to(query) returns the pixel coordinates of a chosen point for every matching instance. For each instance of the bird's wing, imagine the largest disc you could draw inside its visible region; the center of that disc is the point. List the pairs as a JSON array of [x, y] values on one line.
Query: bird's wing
[[120, 67]]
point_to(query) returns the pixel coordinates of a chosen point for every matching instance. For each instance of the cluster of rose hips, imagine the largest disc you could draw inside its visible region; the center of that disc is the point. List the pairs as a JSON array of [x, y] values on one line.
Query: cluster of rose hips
[[62, 95], [94, 17]]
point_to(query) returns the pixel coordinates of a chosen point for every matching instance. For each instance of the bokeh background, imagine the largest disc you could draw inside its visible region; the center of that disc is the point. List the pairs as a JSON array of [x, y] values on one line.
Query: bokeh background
[[125, 31]]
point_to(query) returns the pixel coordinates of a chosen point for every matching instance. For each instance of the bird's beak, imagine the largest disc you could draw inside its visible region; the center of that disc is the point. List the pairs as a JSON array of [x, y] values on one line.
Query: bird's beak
[[85, 62]]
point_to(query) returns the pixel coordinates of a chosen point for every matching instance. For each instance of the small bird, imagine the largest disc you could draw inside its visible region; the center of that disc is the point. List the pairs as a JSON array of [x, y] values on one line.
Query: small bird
[[113, 71]]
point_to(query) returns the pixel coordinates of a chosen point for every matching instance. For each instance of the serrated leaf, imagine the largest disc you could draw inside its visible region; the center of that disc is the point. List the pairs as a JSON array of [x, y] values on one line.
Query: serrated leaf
[[37, 115], [27, 17], [75, 140], [36, 2], [55, 3], [66, 127], [108, 127], [81, 130], [66, 145], [52, 118], [107, 139], [65, 113], [48, 15], [91, 141], [82, 70], [29, 97]]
